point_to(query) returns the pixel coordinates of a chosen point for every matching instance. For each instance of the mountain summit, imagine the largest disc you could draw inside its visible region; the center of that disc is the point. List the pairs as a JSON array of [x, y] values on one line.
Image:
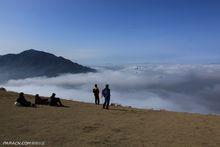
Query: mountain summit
[[33, 63]]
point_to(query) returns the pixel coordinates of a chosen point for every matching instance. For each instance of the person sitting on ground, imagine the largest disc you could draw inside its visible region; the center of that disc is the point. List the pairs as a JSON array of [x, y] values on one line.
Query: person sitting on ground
[[21, 101], [53, 101], [2, 89], [41, 101], [96, 94], [107, 95]]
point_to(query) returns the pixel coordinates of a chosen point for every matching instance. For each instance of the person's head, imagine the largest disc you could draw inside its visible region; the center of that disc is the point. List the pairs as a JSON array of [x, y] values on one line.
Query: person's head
[[106, 86], [37, 95], [96, 85], [53, 94], [21, 94]]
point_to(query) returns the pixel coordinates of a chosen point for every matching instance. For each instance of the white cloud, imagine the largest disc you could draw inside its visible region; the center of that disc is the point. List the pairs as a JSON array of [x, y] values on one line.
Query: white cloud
[[192, 88]]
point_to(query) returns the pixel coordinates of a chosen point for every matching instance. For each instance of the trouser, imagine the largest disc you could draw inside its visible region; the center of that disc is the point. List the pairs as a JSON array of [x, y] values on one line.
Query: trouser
[[42, 102], [55, 102], [26, 104], [106, 103], [97, 100]]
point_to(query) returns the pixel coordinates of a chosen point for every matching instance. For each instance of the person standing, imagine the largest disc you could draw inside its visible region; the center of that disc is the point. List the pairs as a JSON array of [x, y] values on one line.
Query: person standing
[[96, 94], [107, 95]]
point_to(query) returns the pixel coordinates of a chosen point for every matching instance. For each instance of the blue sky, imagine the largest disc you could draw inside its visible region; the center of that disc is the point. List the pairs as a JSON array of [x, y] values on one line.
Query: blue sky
[[114, 31]]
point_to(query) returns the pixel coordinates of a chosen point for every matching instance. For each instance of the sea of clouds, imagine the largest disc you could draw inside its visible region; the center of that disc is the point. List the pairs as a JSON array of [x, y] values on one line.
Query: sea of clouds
[[175, 87]]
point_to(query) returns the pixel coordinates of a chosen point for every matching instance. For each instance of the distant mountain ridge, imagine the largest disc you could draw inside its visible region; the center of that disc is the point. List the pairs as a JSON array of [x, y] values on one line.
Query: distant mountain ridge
[[34, 63]]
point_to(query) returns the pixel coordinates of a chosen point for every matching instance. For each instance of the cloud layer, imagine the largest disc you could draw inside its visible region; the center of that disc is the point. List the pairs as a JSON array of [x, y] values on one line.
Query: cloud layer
[[188, 88]]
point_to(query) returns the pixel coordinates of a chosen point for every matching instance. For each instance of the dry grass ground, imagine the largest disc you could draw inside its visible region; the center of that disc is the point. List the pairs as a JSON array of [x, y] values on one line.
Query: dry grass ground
[[83, 124]]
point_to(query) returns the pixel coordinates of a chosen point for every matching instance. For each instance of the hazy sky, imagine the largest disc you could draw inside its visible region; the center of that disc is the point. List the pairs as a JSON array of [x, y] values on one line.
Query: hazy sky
[[114, 31]]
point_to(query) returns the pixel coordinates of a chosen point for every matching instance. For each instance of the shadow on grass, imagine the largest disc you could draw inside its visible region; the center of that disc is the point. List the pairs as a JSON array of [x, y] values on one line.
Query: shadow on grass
[[117, 109], [64, 106]]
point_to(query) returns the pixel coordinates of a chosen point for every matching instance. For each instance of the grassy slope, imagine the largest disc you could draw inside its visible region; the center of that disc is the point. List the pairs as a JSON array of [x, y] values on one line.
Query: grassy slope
[[85, 124]]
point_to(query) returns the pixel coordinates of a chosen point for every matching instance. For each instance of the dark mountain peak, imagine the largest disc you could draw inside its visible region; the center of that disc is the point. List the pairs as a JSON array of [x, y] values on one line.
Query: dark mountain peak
[[33, 63], [32, 52]]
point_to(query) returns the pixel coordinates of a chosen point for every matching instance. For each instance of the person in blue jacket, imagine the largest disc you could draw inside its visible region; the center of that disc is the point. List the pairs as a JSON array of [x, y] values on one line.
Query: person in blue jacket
[[107, 94]]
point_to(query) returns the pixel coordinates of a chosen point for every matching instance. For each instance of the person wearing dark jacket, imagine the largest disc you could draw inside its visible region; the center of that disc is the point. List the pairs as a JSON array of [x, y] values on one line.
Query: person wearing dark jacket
[[22, 101], [40, 101], [106, 93], [54, 101], [96, 94]]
